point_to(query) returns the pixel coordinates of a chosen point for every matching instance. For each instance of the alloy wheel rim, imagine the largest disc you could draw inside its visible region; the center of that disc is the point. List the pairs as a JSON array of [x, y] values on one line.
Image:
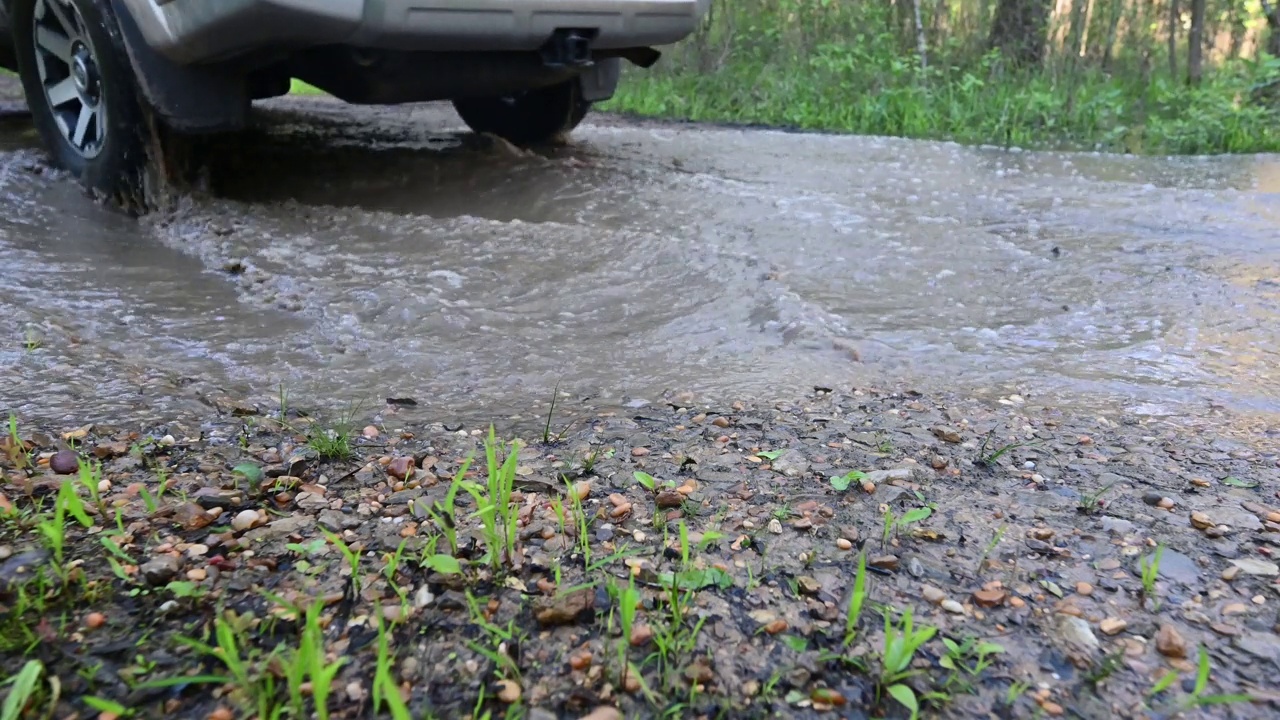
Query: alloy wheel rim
[[69, 74]]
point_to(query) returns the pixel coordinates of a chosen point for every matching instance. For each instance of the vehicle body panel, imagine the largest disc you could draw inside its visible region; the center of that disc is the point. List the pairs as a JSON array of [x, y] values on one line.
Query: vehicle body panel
[[196, 31]]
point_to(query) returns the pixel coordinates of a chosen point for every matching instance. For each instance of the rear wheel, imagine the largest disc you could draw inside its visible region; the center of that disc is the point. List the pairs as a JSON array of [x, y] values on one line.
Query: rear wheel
[[81, 91], [528, 118]]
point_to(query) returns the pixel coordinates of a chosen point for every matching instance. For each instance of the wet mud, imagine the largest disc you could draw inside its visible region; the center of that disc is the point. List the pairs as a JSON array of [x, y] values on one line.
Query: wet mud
[[354, 254]]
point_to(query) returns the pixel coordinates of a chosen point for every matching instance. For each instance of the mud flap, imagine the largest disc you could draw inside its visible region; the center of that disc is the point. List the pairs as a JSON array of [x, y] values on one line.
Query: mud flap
[[600, 80], [187, 98]]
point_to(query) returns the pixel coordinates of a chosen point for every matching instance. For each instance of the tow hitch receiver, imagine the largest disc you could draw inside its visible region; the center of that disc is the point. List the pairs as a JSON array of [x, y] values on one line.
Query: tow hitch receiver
[[568, 47]]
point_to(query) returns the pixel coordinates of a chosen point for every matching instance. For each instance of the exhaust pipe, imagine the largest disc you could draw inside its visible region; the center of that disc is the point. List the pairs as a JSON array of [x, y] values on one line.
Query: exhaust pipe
[[568, 47]]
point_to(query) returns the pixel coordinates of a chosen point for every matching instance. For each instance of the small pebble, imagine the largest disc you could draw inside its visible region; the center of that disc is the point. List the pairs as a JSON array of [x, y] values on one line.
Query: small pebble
[[1230, 573], [370, 432], [844, 544], [244, 520], [582, 489], [639, 452], [401, 467], [221, 713], [1170, 642], [641, 634], [95, 620], [776, 626], [1084, 588], [1112, 626], [933, 595], [64, 462], [989, 598], [197, 574], [1052, 708], [953, 607], [1166, 503], [355, 691], [508, 691]]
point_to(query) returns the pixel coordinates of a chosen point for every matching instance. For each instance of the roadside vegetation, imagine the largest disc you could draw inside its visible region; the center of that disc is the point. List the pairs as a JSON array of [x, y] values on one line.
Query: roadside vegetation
[[1164, 76]]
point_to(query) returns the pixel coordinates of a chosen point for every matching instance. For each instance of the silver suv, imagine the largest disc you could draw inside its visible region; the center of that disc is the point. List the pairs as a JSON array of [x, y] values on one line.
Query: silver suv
[[104, 77]]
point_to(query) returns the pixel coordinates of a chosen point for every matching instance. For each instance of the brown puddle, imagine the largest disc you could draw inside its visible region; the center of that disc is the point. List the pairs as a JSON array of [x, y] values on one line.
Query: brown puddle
[[356, 254]]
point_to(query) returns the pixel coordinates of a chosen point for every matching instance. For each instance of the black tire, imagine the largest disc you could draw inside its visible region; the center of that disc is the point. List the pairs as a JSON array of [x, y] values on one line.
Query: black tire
[[110, 156], [529, 118]]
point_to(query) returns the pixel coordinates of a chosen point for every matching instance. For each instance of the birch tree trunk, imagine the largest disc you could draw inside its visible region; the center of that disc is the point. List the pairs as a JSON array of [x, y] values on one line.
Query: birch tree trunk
[[921, 46]]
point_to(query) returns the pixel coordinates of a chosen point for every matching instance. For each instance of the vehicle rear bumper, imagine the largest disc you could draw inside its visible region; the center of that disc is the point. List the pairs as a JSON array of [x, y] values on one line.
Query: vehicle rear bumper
[[194, 31]]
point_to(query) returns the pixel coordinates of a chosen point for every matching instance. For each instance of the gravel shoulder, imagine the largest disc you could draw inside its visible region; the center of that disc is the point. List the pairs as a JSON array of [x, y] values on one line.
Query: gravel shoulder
[[690, 559]]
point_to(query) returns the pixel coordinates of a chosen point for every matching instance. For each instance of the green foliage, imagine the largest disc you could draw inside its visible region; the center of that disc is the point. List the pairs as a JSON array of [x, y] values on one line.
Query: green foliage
[[854, 67], [901, 641], [856, 601], [493, 501], [25, 687], [840, 483]]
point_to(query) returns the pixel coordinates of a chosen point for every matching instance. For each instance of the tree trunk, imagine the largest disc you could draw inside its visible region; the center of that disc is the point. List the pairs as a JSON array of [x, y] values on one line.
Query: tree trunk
[[1175, 17], [1272, 11], [922, 47], [1075, 30], [1195, 43], [1116, 8], [1020, 30]]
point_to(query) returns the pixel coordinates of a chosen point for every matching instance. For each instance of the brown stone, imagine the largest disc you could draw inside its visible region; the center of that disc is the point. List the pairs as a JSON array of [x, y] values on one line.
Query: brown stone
[[1112, 626], [669, 499], [641, 634], [1170, 643], [884, 562], [989, 598], [564, 610], [947, 434], [776, 626], [401, 467]]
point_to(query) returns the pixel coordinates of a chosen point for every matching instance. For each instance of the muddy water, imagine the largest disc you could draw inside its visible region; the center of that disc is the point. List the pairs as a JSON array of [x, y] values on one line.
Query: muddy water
[[354, 255]]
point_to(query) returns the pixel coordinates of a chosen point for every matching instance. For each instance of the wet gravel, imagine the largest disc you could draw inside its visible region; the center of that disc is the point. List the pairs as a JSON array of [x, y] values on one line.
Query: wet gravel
[[1013, 552]]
